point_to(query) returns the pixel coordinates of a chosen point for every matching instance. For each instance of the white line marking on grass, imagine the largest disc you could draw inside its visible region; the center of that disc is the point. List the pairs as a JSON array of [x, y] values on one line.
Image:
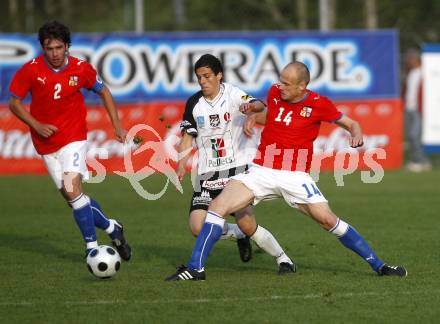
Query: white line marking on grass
[[214, 300]]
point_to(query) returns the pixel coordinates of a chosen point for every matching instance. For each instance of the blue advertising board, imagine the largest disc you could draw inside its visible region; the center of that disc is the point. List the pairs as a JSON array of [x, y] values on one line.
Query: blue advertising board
[[346, 65]]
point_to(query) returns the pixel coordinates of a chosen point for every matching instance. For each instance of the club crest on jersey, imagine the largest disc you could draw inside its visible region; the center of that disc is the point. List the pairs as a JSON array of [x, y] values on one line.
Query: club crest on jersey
[[306, 112], [214, 120], [73, 80], [200, 121]]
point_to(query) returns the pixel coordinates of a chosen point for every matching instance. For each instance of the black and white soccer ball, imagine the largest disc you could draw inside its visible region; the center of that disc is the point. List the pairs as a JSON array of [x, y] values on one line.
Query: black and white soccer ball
[[103, 261]]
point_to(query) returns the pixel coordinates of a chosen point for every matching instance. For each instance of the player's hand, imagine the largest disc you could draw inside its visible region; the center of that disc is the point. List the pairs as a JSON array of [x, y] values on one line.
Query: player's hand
[[120, 134], [45, 130], [356, 141], [249, 124], [246, 108]]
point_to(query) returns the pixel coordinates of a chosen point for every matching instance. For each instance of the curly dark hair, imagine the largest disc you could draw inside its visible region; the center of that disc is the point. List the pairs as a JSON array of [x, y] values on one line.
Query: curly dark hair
[[54, 30], [208, 60]]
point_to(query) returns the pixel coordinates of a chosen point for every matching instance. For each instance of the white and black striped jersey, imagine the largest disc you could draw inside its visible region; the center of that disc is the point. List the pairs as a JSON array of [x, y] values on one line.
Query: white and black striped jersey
[[218, 129]]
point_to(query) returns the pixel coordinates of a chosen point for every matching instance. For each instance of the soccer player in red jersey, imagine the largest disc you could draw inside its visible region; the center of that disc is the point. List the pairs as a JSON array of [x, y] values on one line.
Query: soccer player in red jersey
[[57, 121], [280, 169]]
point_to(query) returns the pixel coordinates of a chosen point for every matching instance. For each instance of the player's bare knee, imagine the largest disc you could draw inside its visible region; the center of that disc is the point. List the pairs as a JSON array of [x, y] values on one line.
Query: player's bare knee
[[326, 220], [195, 226], [196, 221], [195, 230]]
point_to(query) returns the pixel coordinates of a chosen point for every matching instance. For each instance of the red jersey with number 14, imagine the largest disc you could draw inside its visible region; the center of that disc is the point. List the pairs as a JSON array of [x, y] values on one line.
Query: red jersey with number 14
[[287, 138], [56, 99]]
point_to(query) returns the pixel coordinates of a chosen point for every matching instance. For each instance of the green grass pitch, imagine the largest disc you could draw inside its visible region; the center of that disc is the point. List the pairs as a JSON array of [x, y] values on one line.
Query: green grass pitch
[[43, 276]]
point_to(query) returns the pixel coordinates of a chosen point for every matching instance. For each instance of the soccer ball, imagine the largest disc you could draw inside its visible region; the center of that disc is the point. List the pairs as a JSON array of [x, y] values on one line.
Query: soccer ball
[[103, 261]]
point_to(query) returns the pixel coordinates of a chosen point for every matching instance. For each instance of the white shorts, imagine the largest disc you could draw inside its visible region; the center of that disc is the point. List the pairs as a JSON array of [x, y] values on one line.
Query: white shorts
[[69, 158], [295, 187]]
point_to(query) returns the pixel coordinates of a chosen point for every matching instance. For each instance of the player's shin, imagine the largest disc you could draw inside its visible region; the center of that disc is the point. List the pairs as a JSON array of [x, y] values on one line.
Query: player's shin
[[266, 241], [210, 233], [100, 219], [351, 239], [83, 214]]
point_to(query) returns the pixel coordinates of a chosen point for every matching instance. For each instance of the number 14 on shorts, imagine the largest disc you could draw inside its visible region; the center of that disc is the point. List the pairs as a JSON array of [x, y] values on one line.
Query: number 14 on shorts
[[311, 190]]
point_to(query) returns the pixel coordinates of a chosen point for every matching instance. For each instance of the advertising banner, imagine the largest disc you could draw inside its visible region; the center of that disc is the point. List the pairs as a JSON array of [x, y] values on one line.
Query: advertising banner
[[151, 76], [431, 97], [159, 66], [158, 125]]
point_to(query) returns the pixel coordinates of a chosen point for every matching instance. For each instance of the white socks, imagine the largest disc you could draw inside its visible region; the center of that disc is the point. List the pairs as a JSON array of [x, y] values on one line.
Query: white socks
[[91, 245], [340, 228], [111, 226], [231, 231], [79, 202], [266, 241], [262, 237]]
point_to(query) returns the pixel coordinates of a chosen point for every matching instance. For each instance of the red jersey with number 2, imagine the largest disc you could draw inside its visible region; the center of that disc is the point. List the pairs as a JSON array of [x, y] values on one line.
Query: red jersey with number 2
[[56, 99], [287, 138]]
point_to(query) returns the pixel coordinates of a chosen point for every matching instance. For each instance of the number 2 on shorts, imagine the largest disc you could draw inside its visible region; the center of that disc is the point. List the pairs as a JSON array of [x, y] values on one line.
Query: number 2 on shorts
[[76, 159]]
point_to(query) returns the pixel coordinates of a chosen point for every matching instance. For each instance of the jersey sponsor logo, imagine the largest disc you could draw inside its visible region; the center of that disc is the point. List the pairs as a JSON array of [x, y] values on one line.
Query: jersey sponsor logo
[[214, 163], [42, 80], [219, 150], [227, 117], [306, 112], [214, 120], [200, 121], [218, 147], [215, 184], [73, 80]]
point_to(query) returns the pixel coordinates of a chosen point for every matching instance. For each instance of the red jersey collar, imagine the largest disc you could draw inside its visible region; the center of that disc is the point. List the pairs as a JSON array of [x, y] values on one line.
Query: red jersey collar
[[59, 70]]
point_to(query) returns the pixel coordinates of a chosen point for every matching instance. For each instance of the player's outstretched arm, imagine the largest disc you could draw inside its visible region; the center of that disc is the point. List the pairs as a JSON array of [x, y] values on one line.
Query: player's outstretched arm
[[17, 108], [184, 153], [251, 120], [110, 106], [252, 107], [355, 130]]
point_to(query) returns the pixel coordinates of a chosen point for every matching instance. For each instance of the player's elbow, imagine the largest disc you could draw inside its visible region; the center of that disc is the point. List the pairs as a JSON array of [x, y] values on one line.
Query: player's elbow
[[104, 93], [14, 105]]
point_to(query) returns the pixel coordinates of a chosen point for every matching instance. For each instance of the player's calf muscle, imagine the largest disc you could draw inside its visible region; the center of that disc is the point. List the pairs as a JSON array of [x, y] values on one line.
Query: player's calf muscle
[[323, 215]]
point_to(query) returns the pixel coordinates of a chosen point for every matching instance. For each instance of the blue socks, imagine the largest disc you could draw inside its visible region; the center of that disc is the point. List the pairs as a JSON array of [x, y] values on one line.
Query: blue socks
[[351, 239], [209, 234], [101, 221], [88, 214], [83, 215]]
